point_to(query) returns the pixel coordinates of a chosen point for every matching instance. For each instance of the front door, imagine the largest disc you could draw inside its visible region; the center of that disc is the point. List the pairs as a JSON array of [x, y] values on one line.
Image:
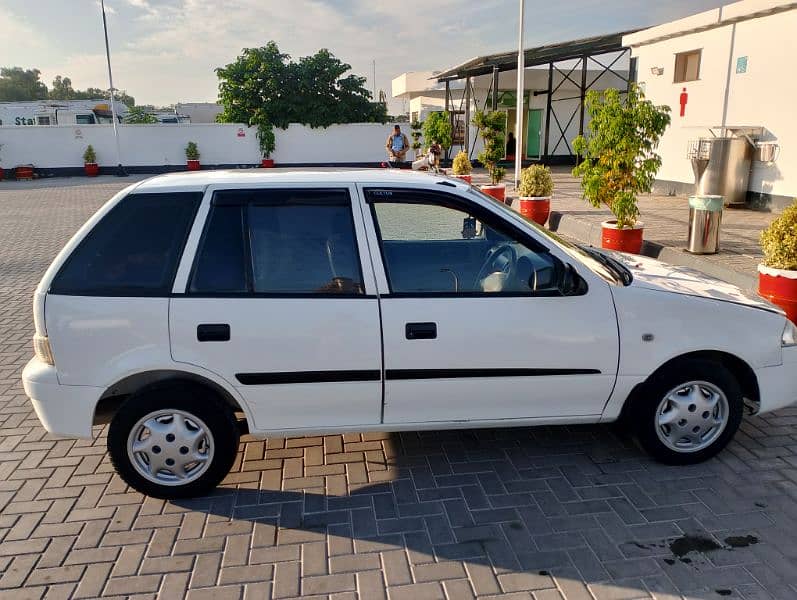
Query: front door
[[279, 303], [533, 130], [475, 326]]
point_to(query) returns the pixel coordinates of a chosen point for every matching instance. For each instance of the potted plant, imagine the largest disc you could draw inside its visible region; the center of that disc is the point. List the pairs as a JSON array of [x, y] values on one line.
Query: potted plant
[[265, 139], [23, 172], [462, 167], [415, 133], [90, 166], [619, 161], [491, 126], [192, 156], [777, 276], [535, 189], [437, 128]]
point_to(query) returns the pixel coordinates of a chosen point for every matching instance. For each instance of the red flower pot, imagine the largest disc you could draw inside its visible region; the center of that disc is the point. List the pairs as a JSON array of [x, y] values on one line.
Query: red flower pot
[[23, 172], [267, 163], [536, 208], [779, 287], [496, 191], [624, 240], [193, 165], [91, 169], [466, 178], [2, 173]]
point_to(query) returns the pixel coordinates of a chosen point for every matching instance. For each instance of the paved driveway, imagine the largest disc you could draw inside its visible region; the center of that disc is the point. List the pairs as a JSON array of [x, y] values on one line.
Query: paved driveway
[[560, 512]]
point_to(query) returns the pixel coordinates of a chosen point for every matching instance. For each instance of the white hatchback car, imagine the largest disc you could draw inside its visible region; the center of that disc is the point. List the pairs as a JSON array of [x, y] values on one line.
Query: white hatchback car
[[375, 300]]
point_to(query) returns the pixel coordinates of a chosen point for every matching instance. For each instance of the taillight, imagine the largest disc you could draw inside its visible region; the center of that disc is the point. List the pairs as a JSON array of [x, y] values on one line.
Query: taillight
[[41, 348]]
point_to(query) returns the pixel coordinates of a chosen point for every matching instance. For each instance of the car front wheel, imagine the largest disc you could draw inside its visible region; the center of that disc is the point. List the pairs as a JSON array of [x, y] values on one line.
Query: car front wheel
[[688, 412], [173, 441]]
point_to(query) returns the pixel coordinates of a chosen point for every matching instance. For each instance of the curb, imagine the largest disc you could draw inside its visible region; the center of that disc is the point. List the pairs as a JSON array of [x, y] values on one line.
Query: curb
[[590, 233]]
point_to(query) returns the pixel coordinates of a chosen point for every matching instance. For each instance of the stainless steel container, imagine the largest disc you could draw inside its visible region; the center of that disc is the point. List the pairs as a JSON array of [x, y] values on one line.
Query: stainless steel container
[[705, 218], [722, 168]]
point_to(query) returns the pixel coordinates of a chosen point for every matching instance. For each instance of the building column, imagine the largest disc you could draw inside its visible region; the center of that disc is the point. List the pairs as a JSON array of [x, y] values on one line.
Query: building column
[[546, 158], [495, 88], [467, 115]]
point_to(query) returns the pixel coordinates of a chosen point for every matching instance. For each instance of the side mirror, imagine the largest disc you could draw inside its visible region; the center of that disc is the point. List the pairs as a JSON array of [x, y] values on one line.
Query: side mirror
[[571, 283]]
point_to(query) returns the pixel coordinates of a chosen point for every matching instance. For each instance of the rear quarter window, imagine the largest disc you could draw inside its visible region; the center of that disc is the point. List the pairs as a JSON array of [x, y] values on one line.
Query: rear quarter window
[[134, 250]]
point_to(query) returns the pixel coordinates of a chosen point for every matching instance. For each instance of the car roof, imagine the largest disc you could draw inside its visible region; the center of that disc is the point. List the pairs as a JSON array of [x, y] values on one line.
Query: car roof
[[200, 180]]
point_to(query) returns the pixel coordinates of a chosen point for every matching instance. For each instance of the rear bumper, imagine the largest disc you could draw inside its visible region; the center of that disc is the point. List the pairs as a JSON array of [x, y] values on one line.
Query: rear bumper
[[65, 410], [778, 385]]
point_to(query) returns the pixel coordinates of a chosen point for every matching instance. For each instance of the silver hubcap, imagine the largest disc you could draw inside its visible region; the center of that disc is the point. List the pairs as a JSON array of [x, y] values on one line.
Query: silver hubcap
[[692, 416], [170, 447]]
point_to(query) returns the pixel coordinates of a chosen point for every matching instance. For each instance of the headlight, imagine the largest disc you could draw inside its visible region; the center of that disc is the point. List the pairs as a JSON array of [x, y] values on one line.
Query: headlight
[[41, 347], [789, 335]]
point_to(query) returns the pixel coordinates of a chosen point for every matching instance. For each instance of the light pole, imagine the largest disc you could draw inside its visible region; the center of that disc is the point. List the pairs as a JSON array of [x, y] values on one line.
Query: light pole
[[120, 170], [521, 72]]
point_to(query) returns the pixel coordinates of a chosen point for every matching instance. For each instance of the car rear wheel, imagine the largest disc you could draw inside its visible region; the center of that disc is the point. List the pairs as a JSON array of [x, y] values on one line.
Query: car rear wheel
[[688, 412], [173, 441]]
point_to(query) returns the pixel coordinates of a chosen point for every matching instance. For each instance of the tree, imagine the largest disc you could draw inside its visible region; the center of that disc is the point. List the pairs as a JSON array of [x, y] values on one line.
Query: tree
[[437, 128], [62, 89], [491, 126], [17, 84], [138, 115], [619, 161], [264, 85]]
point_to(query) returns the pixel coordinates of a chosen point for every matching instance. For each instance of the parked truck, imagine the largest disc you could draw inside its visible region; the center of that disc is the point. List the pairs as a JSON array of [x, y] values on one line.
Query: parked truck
[[68, 112]]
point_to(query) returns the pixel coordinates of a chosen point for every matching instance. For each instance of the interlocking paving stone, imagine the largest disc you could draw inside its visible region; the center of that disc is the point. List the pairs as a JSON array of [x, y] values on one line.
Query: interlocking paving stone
[[545, 513]]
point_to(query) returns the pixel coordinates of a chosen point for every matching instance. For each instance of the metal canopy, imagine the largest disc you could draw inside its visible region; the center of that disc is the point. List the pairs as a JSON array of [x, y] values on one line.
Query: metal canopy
[[507, 61]]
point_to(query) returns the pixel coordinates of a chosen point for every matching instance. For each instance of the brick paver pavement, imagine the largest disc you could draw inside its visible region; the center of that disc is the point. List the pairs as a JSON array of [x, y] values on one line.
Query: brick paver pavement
[[554, 512]]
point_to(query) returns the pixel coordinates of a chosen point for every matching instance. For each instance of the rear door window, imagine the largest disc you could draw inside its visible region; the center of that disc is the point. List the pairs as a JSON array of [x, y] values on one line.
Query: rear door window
[[279, 241], [134, 250]]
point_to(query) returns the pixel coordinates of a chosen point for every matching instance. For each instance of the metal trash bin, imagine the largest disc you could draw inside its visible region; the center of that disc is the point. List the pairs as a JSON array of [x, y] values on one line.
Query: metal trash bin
[[705, 217]]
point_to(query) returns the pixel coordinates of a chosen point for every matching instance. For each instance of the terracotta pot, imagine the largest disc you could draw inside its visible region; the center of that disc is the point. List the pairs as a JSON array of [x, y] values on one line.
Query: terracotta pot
[[466, 178], [624, 240], [91, 169], [267, 163], [193, 165], [536, 208], [2, 173], [496, 191], [779, 286], [23, 172]]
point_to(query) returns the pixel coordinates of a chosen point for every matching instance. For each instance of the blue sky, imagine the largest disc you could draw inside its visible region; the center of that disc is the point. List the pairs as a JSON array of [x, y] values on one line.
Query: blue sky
[[164, 51]]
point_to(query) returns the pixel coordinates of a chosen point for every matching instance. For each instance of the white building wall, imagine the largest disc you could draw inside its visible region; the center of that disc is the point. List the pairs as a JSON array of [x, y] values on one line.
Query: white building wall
[[764, 96], [164, 145]]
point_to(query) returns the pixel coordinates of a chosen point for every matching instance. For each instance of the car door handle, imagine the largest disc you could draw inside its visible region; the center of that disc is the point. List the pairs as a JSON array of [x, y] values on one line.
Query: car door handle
[[213, 332], [421, 331]]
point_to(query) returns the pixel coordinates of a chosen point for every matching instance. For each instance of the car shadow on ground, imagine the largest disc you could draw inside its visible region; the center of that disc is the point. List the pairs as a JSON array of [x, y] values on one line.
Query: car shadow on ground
[[531, 507]]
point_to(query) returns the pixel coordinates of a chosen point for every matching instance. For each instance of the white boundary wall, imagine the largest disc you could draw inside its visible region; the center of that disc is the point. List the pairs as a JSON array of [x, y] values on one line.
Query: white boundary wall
[[164, 145]]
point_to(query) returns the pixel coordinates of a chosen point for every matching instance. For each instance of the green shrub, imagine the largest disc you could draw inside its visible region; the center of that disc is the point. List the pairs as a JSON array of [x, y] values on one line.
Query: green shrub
[[89, 156], [535, 181], [619, 161], [265, 139], [192, 151], [779, 241], [416, 127], [437, 128], [491, 126], [461, 164]]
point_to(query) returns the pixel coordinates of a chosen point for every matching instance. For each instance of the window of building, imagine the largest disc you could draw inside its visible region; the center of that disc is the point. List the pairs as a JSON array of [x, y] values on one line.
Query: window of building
[[687, 66], [84, 119], [134, 250]]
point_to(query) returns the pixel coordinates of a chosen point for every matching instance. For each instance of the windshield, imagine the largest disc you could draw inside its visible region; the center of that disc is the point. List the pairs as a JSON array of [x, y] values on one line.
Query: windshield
[[600, 264]]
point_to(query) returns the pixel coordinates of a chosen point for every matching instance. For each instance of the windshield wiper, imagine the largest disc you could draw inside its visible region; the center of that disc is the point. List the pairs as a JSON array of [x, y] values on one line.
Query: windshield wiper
[[615, 266]]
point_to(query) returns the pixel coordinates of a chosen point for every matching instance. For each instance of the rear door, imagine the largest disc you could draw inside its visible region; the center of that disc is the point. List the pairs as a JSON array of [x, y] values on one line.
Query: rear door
[[279, 301]]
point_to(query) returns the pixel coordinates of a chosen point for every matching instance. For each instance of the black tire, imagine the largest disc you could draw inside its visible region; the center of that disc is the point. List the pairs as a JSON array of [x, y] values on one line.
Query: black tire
[[646, 404], [191, 399]]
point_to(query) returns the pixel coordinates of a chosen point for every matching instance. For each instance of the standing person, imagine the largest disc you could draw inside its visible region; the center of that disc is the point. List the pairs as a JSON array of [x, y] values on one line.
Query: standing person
[[510, 146], [397, 145]]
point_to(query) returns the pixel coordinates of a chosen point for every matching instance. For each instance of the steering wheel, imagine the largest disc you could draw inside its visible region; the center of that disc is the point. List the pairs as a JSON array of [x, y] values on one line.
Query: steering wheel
[[500, 259]]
